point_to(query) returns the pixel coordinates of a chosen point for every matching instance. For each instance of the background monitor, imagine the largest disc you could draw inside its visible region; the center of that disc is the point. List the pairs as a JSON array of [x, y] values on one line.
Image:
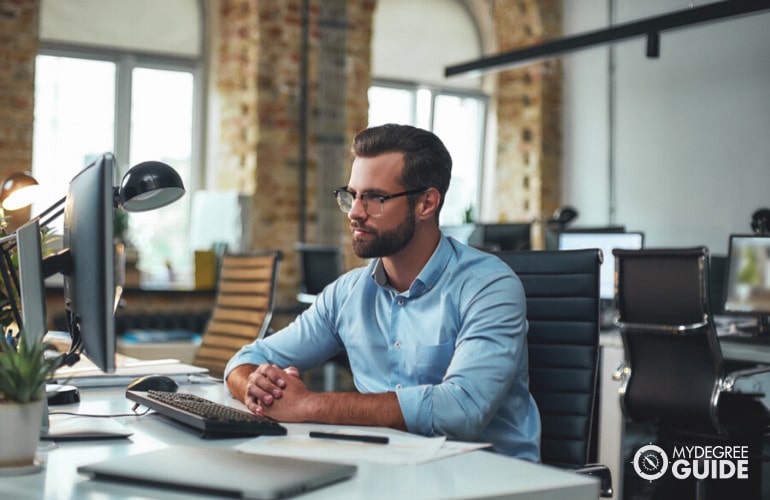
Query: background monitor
[[551, 235], [514, 236], [606, 242], [748, 275], [31, 288], [89, 274]]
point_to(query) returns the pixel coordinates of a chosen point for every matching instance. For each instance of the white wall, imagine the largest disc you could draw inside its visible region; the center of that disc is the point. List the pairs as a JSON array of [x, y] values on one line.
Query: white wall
[[692, 128]]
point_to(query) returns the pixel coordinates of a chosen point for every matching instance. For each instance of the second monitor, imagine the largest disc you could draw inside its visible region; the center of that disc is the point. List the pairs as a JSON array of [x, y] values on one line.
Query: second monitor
[[606, 242], [511, 236]]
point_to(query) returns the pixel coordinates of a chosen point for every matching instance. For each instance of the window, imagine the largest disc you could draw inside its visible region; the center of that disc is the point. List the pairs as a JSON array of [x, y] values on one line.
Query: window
[[106, 93], [457, 117], [413, 90]]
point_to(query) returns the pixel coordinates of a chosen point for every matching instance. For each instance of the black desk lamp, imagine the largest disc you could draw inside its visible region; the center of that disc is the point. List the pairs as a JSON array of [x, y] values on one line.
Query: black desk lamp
[[760, 221], [147, 186]]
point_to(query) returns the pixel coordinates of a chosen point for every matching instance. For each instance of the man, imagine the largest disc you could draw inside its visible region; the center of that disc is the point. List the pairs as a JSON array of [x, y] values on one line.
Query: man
[[435, 330]]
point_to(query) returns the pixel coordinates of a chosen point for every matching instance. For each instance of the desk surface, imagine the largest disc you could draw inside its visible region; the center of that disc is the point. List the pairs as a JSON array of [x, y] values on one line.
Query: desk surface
[[474, 474]]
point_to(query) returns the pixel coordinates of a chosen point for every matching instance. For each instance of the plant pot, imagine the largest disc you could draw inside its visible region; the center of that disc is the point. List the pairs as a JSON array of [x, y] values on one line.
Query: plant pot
[[20, 426]]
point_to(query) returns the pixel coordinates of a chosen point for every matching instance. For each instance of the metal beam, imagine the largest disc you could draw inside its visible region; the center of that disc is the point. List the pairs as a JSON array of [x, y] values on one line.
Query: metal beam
[[650, 27]]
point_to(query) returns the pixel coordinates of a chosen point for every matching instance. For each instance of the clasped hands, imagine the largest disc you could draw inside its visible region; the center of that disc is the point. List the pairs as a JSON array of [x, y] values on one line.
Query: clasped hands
[[276, 392]]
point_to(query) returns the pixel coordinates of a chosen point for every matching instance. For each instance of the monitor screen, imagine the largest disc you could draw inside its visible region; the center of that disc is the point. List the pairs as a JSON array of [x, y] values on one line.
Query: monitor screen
[[606, 242], [89, 277], [513, 236], [31, 288], [748, 275]]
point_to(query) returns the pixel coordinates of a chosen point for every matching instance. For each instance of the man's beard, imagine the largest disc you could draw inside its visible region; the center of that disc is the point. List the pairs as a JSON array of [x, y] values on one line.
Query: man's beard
[[388, 242]]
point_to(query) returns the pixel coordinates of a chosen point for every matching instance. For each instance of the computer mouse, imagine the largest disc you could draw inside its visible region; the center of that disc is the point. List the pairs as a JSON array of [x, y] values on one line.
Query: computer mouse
[[153, 383]]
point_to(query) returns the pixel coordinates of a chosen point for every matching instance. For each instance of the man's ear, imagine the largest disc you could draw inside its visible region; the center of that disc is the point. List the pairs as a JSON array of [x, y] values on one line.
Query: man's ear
[[429, 204]]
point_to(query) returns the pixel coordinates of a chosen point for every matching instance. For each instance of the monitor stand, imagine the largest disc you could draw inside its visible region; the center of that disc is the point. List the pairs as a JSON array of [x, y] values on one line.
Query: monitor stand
[[763, 324], [59, 394]]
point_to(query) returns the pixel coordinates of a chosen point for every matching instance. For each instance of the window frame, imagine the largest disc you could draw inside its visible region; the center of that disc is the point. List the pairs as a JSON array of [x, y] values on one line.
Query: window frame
[[437, 91], [125, 62]]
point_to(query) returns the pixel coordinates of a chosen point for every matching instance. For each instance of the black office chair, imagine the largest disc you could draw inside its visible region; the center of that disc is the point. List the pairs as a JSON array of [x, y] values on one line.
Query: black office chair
[[319, 265], [562, 289], [674, 374]]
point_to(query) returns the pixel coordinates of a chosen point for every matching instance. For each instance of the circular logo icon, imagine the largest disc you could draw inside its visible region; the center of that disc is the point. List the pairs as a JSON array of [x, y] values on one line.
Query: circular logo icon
[[650, 462]]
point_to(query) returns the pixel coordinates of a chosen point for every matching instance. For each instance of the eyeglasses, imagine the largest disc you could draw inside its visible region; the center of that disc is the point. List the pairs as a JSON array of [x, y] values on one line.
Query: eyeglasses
[[374, 204]]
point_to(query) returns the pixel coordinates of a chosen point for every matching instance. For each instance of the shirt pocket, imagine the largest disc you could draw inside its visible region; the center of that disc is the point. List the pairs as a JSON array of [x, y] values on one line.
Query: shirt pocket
[[433, 361]]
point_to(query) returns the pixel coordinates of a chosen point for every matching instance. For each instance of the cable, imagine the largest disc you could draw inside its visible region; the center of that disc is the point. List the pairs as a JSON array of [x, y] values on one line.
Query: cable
[[75, 414]]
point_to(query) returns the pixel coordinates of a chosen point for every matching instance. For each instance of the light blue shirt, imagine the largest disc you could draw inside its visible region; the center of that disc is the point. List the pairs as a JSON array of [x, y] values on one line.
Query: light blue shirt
[[452, 347]]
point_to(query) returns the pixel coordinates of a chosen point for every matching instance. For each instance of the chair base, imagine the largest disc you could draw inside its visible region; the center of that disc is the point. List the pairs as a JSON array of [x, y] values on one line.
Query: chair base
[[669, 486]]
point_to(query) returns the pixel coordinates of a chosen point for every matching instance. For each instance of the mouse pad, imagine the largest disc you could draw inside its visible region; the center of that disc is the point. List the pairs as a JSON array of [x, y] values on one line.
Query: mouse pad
[[220, 471]]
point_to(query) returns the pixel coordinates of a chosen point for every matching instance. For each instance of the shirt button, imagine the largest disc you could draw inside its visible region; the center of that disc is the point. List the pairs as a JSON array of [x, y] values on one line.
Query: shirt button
[[401, 302], [399, 386], [397, 344]]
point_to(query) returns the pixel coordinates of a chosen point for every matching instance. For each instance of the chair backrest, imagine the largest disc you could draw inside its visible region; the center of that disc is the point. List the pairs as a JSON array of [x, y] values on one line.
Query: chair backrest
[[670, 342], [562, 290], [242, 309], [318, 266]]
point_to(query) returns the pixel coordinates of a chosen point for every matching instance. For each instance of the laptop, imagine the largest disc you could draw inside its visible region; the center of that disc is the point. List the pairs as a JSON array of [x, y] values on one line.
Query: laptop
[[220, 471]]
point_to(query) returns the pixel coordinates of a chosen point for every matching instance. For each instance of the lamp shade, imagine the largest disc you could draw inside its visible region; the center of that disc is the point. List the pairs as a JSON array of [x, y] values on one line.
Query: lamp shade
[[760, 221], [18, 191], [149, 185]]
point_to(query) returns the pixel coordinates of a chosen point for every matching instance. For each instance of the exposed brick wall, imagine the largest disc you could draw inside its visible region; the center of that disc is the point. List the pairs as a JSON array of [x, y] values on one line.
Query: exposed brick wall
[[18, 47], [528, 110], [260, 91]]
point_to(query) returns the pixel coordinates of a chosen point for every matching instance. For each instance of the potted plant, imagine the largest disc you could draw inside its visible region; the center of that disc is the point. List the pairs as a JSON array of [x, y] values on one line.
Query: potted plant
[[24, 370]]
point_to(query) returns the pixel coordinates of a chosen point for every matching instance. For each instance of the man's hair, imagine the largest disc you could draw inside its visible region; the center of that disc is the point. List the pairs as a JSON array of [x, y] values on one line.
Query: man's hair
[[427, 162]]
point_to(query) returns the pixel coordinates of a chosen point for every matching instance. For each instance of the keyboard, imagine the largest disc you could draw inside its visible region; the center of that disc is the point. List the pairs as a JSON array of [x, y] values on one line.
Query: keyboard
[[212, 419]]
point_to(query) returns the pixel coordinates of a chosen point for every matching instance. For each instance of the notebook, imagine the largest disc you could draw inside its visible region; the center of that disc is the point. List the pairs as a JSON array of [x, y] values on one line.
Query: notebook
[[220, 471]]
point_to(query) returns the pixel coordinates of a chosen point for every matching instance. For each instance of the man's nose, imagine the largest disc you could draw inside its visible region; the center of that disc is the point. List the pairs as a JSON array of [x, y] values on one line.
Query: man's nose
[[357, 211]]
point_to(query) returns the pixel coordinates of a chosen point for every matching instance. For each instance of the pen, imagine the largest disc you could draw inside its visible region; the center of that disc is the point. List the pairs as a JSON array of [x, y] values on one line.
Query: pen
[[350, 437]]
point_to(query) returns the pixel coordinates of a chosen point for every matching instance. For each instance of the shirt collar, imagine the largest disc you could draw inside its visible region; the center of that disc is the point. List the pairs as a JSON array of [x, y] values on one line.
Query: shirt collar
[[428, 276]]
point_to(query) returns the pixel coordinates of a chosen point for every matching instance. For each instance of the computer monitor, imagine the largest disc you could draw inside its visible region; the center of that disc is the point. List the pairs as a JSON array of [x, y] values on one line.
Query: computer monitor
[[510, 236], [31, 288], [551, 234], [748, 278], [87, 262], [319, 266], [606, 242]]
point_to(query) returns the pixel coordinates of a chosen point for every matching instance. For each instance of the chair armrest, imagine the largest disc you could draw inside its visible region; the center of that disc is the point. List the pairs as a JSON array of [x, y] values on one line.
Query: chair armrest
[[756, 374], [603, 473]]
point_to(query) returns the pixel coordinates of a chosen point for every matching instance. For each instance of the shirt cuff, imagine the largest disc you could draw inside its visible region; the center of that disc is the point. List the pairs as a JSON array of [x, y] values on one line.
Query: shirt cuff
[[417, 408]]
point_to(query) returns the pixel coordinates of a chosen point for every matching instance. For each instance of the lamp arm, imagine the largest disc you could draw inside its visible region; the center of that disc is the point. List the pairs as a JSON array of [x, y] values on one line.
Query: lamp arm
[[44, 213]]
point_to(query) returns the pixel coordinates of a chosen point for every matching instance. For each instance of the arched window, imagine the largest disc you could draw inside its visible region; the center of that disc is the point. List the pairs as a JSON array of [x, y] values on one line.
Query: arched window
[[112, 77], [412, 43]]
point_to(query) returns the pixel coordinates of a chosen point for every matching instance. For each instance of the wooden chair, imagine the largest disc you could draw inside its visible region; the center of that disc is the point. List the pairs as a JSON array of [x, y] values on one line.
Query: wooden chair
[[242, 309]]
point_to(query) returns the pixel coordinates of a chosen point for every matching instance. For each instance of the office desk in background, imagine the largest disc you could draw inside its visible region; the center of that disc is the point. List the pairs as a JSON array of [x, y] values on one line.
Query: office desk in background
[[473, 474]]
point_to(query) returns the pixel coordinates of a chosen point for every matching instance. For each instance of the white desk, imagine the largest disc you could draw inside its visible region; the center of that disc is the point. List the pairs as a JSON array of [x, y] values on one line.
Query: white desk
[[476, 474]]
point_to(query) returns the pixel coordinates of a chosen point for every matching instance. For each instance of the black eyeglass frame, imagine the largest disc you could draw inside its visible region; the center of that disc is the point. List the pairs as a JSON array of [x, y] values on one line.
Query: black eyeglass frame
[[363, 197]]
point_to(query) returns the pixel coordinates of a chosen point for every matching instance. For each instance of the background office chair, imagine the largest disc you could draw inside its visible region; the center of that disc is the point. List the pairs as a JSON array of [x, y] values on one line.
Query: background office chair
[[675, 373], [562, 289], [242, 309], [319, 265]]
